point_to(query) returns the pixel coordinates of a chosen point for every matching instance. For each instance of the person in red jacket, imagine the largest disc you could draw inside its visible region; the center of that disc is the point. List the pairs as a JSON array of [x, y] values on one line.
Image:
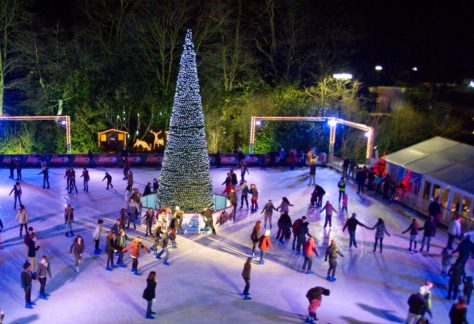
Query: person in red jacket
[[308, 249], [135, 253], [315, 295], [458, 312], [264, 245]]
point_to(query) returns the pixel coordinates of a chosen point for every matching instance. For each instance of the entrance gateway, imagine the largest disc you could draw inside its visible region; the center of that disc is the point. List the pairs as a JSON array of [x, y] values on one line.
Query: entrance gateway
[[332, 122]]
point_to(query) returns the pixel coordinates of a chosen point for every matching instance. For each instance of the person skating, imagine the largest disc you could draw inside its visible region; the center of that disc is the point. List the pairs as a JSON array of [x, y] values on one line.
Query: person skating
[[246, 276], [255, 236], [179, 214], [312, 171], [120, 243], [18, 169], [446, 257], [26, 283], [303, 231], [134, 249], [86, 179], [149, 220], [467, 289], [44, 270], [380, 231], [69, 219], [329, 209], [351, 225], [465, 249], [166, 235], [155, 185], [308, 249], [45, 173], [123, 218], [264, 245], [149, 294], [434, 210], [244, 190], [254, 200], [232, 197], [427, 286], [341, 185], [72, 185], [243, 169], [77, 248], [209, 221], [126, 168], [16, 190], [428, 230], [417, 306], [284, 228], [332, 252], [172, 232], [67, 176], [228, 183], [458, 312], [233, 177], [32, 248], [28, 235], [110, 250], [413, 228], [96, 236], [317, 196], [156, 237], [295, 227], [129, 181], [22, 219], [345, 202], [360, 179], [11, 166], [454, 231], [285, 205], [109, 180], [132, 211], [456, 275], [315, 296], [267, 212]]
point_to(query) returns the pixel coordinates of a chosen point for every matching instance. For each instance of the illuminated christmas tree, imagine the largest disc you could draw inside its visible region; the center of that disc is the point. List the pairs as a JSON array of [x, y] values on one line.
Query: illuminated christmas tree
[[185, 180]]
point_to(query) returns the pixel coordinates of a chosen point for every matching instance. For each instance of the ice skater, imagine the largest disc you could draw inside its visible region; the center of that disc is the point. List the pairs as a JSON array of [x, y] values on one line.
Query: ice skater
[[456, 275], [134, 249], [446, 257], [67, 176], [45, 173], [244, 189], [341, 185], [331, 253], [44, 270], [263, 245], [329, 209], [209, 221], [267, 212], [164, 247], [295, 227], [109, 180], [284, 206], [243, 169], [32, 249], [351, 225], [413, 228], [149, 294], [428, 231], [26, 284], [77, 248], [149, 219], [110, 250], [246, 276], [132, 211], [96, 236], [22, 218], [255, 236], [467, 289], [69, 219], [308, 249], [303, 231], [72, 181], [380, 231], [254, 200], [312, 171], [417, 306], [317, 196], [315, 296], [121, 243], [86, 179], [129, 181], [345, 202], [18, 169], [11, 166], [465, 249], [179, 214], [284, 228], [16, 191]]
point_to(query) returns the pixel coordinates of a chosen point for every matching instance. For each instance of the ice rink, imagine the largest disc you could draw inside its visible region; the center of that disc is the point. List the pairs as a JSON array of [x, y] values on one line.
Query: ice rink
[[203, 283]]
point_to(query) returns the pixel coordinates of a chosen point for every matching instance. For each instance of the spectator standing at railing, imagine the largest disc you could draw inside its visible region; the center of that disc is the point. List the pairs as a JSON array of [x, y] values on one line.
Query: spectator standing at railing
[[352, 166], [345, 167], [434, 210]]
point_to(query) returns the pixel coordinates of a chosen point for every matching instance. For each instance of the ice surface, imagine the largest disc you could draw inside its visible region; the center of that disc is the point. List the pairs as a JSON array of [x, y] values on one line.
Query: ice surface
[[203, 283]]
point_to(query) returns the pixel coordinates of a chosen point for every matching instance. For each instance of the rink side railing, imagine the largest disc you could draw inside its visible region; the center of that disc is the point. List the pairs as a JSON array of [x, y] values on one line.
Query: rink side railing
[[193, 223], [116, 160]]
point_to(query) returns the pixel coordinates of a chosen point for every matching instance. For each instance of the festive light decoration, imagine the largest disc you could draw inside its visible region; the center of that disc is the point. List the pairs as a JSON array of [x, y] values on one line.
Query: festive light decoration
[[185, 180]]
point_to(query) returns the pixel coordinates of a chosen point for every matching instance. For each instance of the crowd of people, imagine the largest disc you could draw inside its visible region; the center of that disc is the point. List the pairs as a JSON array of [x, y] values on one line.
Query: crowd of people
[[164, 226]]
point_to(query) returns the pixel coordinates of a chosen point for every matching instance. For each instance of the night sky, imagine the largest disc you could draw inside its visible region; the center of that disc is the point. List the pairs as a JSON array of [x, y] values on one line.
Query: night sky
[[435, 36]]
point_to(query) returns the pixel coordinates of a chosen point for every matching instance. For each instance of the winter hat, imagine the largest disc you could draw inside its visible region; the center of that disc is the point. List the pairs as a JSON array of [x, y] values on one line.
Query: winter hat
[[267, 232]]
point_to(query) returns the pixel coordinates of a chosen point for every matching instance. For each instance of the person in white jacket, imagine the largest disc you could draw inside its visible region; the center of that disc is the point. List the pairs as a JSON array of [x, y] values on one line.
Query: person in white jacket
[[454, 230], [96, 236], [22, 218]]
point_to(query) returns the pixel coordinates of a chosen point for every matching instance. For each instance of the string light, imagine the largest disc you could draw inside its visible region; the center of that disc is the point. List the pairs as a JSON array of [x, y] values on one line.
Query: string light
[[185, 180]]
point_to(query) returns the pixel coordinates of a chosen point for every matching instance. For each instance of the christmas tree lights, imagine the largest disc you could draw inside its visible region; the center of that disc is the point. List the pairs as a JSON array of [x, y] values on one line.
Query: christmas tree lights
[[185, 180]]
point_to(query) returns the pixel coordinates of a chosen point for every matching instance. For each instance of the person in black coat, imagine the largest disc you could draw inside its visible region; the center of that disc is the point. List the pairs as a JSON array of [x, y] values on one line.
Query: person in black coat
[[428, 231], [360, 179], [284, 227], [456, 275], [465, 249], [26, 283], [303, 230], [351, 225], [417, 306], [149, 294]]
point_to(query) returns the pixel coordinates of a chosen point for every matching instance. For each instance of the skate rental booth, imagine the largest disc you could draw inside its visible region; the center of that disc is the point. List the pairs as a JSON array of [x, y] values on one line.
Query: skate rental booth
[[437, 167], [112, 140]]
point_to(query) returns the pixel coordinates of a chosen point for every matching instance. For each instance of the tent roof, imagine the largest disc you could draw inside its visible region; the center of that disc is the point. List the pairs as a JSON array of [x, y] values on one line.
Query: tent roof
[[445, 160], [113, 130]]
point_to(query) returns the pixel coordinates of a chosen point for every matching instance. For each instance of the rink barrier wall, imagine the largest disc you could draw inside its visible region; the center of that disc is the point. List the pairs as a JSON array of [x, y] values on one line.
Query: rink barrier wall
[[115, 160]]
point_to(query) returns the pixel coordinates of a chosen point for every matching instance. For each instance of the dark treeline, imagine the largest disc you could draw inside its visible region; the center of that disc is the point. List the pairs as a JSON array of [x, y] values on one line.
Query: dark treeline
[[113, 63]]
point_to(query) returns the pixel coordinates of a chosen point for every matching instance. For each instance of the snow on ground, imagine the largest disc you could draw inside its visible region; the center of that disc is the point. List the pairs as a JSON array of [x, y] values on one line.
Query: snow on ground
[[203, 283]]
